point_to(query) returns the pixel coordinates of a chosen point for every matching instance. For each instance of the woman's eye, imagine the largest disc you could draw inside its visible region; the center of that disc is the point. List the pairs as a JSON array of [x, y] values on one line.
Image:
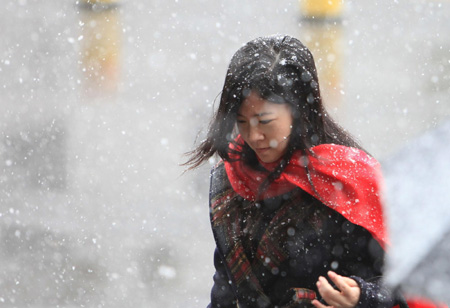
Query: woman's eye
[[265, 121], [240, 121]]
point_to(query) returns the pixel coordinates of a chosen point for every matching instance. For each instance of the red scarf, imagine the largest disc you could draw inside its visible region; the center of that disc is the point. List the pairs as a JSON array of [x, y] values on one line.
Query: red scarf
[[345, 179]]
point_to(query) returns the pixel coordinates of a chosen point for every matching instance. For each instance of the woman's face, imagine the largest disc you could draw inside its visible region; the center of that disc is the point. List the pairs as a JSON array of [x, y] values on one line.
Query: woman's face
[[265, 127]]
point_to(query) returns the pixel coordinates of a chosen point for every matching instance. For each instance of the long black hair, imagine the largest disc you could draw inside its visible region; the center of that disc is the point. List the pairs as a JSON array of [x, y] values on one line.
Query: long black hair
[[281, 70]]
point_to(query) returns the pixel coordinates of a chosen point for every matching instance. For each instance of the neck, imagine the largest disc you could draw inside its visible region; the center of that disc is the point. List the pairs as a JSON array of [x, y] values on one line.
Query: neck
[[269, 166]]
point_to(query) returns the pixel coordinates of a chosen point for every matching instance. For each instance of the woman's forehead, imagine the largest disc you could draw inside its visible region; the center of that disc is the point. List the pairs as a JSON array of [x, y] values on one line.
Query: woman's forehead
[[254, 105]]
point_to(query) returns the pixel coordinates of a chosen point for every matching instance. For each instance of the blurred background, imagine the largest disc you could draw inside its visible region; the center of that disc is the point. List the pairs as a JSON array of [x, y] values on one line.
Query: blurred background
[[99, 101]]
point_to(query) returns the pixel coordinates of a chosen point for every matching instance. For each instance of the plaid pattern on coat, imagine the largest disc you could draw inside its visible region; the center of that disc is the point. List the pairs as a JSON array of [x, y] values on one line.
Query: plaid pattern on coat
[[227, 210]]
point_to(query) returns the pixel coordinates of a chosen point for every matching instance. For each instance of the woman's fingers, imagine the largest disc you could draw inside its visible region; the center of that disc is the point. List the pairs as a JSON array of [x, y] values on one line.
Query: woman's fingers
[[342, 282], [328, 293], [349, 288], [346, 296], [318, 304], [339, 281]]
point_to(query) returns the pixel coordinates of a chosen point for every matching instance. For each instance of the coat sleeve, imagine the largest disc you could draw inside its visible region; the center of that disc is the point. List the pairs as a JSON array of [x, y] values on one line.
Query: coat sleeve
[[375, 295], [364, 264], [222, 294]]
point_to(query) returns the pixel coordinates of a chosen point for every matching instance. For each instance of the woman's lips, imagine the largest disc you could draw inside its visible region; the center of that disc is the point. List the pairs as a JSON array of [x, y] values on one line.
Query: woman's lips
[[262, 150]]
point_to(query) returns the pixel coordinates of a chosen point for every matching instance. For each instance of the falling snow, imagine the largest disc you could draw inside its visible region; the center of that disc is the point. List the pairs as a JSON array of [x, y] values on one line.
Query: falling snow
[[100, 103]]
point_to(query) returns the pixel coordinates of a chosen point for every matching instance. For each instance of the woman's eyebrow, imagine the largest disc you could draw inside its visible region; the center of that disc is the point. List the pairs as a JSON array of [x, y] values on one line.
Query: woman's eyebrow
[[256, 114]]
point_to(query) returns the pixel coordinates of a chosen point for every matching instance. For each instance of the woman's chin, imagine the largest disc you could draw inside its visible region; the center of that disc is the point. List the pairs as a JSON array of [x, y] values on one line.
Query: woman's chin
[[268, 159]]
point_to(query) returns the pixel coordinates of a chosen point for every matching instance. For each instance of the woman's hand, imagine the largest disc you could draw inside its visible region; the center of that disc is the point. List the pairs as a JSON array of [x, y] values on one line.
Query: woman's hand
[[346, 296]]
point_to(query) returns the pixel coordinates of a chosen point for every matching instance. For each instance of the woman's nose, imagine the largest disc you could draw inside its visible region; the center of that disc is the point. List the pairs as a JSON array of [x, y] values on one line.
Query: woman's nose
[[255, 134]]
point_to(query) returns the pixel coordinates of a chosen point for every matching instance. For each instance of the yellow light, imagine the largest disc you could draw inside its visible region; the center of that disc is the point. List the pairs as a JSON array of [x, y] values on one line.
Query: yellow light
[[321, 8]]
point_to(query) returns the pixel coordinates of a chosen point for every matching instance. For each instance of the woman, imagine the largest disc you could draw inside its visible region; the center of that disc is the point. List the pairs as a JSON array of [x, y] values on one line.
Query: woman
[[294, 201]]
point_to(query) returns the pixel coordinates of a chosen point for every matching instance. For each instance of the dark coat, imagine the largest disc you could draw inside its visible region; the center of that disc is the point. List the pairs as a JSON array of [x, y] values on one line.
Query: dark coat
[[271, 253]]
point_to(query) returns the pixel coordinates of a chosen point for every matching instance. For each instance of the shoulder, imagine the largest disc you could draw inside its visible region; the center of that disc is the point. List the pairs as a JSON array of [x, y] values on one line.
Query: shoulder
[[221, 194], [218, 177], [341, 153], [350, 181], [219, 184], [218, 171]]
